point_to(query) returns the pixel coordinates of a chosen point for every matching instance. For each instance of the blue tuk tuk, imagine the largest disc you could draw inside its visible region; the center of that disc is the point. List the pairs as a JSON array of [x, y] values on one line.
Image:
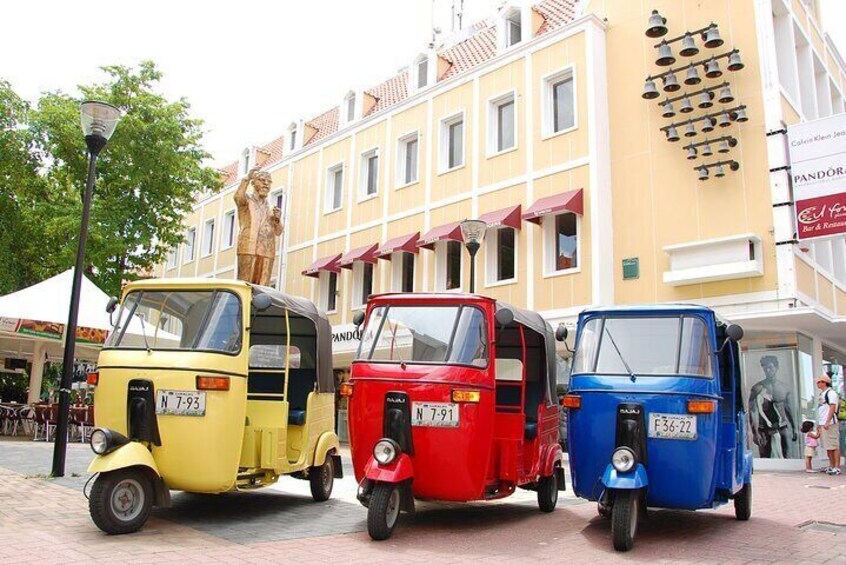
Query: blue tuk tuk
[[656, 415]]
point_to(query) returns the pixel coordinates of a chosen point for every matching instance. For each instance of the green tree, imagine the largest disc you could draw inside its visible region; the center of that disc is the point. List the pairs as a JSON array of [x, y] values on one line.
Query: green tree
[[148, 177]]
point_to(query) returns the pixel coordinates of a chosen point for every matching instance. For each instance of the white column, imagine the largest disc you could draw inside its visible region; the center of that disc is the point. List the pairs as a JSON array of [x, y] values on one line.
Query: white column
[[38, 358], [816, 357]]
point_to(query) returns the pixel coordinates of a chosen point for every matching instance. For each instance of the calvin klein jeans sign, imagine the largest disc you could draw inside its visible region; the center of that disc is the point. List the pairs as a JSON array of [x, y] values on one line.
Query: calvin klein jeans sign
[[818, 169]]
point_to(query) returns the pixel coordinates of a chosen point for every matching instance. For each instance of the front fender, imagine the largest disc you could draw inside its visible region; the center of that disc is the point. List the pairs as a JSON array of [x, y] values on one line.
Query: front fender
[[129, 455], [632, 480], [327, 442], [551, 456], [395, 472]]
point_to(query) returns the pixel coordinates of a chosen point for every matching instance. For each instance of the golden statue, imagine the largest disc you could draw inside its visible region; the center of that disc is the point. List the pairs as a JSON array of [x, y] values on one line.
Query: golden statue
[[261, 225]]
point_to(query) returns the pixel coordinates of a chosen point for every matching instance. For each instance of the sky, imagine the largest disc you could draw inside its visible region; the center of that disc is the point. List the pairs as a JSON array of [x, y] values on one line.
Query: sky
[[248, 68]]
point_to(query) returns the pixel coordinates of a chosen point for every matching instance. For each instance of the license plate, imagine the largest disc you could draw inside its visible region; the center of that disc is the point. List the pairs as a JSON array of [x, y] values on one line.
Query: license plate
[[180, 402], [672, 426], [434, 414]]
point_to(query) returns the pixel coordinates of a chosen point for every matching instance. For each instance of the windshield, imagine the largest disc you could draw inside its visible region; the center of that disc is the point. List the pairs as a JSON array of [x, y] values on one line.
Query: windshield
[[669, 345], [207, 320], [440, 334]]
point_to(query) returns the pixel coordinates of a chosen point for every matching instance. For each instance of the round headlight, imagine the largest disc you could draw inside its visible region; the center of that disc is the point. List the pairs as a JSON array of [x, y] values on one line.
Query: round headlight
[[99, 441], [385, 451], [623, 460]]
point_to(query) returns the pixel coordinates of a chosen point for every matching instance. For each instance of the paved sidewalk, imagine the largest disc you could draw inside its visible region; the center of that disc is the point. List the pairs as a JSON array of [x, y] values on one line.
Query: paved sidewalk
[[46, 521]]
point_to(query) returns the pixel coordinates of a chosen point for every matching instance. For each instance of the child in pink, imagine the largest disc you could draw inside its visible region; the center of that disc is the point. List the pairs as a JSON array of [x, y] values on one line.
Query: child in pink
[[812, 441]]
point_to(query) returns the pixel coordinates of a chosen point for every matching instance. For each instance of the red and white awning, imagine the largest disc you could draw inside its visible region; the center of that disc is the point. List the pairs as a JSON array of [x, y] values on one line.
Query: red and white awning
[[572, 201], [366, 254], [505, 218], [407, 243], [329, 263], [451, 231]]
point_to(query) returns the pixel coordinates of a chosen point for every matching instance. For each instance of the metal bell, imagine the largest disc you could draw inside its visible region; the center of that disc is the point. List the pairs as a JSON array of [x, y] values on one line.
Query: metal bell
[[712, 69], [672, 134], [706, 100], [690, 130], [725, 95], [686, 106], [650, 91], [668, 109], [692, 78], [671, 84], [689, 48], [691, 152], [709, 125], [665, 55], [719, 172], [740, 115], [711, 37], [657, 25], [724, 120], [706, 150], [723, 147], [735, 64], [703, 173]]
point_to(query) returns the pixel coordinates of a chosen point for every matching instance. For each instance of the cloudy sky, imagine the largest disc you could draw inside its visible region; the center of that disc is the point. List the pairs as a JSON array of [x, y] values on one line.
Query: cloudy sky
[[248, 68]]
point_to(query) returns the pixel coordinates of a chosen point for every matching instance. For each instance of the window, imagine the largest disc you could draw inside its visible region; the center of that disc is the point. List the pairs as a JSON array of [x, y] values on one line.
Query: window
[[362, 283], [245, 162], [501, 124], [328, 288], [562, 242], [369, 182], [501, 254], [452, 142], [422, 73], [448, 261], [293, 137], [228, 229], [208, 238], [513, 29], [402, 264], [407, 159], [350, 107], [190, 236], [171, 257], [334, 188], [559, 103]]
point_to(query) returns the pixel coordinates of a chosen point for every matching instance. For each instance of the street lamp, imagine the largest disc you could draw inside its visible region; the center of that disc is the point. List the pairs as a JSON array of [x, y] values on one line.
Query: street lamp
[[98, 124], [473, 232]]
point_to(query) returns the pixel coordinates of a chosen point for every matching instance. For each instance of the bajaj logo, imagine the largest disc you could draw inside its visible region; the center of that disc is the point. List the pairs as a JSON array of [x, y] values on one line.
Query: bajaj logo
[[139, 388], [629, 411], [395, 400]]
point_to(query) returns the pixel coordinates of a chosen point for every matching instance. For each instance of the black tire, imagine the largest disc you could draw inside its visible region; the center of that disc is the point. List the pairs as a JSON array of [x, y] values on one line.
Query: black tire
[[548, 491], [121, 500], [383, 511], [743, 503], [322, 479], [624, 517]]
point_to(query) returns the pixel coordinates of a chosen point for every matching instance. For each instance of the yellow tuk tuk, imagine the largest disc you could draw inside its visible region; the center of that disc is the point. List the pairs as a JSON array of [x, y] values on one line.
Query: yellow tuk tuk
[[218, 386]]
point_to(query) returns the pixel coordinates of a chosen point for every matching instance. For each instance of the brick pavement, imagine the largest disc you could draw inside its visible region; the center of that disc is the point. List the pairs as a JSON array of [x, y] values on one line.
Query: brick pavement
[[45, 521]]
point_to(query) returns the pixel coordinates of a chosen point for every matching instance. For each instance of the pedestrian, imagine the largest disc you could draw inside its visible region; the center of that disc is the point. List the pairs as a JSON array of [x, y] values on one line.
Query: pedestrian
[[811, 442], [827, 401]]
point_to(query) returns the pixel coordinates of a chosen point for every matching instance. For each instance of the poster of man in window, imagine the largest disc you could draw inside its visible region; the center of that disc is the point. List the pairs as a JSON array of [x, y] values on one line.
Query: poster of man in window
[[771, 405]]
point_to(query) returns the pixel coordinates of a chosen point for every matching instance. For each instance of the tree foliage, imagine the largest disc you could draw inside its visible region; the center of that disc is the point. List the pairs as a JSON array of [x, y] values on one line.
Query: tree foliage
[[147, 179]]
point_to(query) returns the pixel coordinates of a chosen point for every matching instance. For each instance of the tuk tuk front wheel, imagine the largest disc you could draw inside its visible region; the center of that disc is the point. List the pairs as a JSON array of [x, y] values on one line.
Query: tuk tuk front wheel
[[743, 503], [548, 491], [383, 511], [322, 479], [624, 516], [121, 500]]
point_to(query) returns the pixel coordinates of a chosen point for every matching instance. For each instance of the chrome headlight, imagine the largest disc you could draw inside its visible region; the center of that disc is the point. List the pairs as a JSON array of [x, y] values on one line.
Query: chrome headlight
[[104, 440], [385, 451], [623, 459]]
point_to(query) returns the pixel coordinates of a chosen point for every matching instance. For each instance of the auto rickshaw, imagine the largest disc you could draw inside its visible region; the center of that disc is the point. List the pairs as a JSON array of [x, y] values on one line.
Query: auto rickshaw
[[451, 398], [655, 414], [221, 386]]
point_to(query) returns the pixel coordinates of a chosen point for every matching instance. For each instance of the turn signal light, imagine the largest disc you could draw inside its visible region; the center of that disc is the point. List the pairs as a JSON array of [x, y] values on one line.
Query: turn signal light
[[212, 383], [93, 378], [466, 396], [700, 406], [345, 390], [571, 401]]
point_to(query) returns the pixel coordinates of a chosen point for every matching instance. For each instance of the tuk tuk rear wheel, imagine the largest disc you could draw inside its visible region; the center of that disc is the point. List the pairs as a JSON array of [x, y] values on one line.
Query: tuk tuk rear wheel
[[121, 500], [743, 503], [322, 479], [548, 491], [383, 511], [624, 516]]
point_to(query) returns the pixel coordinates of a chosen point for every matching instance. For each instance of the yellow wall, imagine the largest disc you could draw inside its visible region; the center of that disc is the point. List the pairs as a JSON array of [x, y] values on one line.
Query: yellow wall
[[413, 195], [493, 166], [458, 180]]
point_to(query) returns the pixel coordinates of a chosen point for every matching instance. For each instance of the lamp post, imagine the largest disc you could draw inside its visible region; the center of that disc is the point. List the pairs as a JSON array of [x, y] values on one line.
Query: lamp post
[[98, 124], [473, 232]]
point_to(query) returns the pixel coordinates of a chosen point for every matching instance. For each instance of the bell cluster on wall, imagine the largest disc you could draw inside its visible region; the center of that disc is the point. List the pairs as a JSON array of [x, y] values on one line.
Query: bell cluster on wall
[[703, 98]]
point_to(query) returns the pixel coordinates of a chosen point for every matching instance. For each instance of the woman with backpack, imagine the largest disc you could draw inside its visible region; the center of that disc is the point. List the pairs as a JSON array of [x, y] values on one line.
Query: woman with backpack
[[829, 430]]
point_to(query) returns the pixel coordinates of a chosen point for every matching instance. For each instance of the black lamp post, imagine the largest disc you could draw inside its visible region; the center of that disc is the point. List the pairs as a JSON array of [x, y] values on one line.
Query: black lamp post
[[473, 232], [98, 124]]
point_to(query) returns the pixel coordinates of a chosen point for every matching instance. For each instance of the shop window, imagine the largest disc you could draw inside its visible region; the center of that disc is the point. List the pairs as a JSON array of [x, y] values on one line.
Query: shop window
[[559, 103], [402, 265], [362, 283], [190, 237], [448, 262], [407, 159], [561, 239], [334, 188], [501, 255]]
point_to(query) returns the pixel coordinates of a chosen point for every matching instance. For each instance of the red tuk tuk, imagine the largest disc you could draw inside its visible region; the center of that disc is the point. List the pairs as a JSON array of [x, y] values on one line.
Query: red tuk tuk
[[452, 398]]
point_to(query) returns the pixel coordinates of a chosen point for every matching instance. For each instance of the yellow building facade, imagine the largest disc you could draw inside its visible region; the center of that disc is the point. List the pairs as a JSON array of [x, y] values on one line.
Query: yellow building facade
[[534, 120]]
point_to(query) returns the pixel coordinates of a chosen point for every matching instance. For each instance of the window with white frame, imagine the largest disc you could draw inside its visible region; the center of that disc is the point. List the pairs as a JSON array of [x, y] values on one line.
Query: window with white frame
[[172, 256], [408, 156], [228, 234], [502, 124], [292, 137], [559, 102], [328, 291], [402, 276], [334, 188], [513, 28], [245, 161], [362, 283], [422, 72], [561, 242], [350, 106], [208, 237], [448, 265], [501, 255], [278, 200], [190, 237], [369, 181], [452, 142]]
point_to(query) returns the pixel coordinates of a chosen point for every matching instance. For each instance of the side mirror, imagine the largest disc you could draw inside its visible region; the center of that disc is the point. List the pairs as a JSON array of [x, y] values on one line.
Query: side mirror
[[504, 317], [261, 302], [734, 332], [112, 304], [358, 318], [561, 333]]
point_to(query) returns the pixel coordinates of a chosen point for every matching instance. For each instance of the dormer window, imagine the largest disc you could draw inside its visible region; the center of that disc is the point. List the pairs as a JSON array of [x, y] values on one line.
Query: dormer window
[[350, 102], [422, 73], [292, 136], [245, 161], [513, 28], [422, 70]]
